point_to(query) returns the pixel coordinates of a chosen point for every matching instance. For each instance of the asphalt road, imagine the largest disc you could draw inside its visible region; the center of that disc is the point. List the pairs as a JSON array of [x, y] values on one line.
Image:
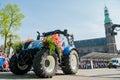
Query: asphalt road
[[83, 74]]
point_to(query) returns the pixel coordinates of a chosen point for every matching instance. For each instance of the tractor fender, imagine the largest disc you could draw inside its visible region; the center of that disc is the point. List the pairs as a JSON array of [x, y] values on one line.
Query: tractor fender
[[67, 50]]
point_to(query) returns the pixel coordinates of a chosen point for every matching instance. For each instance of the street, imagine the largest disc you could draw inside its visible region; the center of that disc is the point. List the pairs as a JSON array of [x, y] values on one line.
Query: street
[[83, 74]]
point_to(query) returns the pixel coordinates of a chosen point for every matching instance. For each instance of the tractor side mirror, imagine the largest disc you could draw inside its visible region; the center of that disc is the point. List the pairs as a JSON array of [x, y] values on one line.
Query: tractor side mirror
[[38, 36]]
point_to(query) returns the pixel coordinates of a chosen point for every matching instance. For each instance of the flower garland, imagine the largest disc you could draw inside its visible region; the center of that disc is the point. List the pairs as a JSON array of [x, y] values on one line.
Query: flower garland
[[17, 46], [54, 43], [50, 43]]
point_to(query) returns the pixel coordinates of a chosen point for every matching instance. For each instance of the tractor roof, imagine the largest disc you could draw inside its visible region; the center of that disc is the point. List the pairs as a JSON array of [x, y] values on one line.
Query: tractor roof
[[55, 32]]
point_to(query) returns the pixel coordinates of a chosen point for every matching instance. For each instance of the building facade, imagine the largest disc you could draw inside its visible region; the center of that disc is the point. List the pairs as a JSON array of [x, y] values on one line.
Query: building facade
[[110, 39], [105, 44]]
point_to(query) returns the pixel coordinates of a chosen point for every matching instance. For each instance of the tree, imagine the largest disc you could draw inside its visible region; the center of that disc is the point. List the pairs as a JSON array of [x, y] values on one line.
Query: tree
[[1, 47], [12, 38], [10, 21]]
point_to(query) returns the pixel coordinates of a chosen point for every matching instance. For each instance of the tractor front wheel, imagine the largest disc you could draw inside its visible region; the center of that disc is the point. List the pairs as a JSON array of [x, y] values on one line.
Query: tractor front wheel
[[45, 65], [70, 63]]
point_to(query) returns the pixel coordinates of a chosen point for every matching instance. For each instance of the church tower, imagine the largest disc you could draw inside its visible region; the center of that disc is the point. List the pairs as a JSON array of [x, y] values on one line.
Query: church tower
[[110, 39]]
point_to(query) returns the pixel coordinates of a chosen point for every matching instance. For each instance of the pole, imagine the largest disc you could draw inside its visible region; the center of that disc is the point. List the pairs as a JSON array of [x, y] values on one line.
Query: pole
[[91, 62], [10, 43]]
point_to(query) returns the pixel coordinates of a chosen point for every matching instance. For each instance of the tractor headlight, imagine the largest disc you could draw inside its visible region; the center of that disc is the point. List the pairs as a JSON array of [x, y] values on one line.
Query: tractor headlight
[[30, 45]]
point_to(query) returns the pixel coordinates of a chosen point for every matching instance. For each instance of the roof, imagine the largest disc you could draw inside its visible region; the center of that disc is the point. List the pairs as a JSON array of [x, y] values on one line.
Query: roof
[[107, 18], [97, 55], [90, 42]]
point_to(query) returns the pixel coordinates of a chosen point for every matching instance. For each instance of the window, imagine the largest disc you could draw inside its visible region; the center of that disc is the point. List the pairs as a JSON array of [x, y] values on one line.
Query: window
[[64, 40]]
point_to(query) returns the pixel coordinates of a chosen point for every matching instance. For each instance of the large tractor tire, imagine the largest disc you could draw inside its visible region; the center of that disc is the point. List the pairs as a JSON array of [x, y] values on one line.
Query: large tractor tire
[[45, 65], [16, 68], [70, 63]]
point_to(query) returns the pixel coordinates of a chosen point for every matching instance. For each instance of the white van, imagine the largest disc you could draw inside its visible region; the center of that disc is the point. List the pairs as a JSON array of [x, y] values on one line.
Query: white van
[[114, 63]]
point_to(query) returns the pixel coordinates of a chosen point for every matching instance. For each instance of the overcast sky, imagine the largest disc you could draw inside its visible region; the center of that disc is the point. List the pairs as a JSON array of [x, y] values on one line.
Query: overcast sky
[[83, 18]]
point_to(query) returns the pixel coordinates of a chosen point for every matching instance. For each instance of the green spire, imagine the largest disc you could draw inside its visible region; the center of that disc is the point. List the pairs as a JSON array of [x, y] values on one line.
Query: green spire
[[107, 18]]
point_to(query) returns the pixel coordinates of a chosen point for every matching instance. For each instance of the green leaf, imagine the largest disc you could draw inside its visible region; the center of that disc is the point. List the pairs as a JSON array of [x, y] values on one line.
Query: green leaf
[[17, 46], [52, 46]]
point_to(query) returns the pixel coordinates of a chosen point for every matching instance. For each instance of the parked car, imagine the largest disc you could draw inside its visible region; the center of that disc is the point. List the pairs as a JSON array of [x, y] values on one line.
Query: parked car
[[114, 63]]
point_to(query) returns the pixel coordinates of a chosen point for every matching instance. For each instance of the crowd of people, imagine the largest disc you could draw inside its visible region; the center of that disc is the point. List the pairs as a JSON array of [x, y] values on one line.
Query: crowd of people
[[4, 65], [96, 64]]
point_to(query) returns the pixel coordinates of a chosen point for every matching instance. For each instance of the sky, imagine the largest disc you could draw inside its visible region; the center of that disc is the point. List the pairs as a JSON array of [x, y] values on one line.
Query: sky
[[83, 18]]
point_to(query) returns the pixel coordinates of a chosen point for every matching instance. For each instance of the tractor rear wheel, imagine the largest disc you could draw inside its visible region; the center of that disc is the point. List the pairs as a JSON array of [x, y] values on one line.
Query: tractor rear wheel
[[16, 68]]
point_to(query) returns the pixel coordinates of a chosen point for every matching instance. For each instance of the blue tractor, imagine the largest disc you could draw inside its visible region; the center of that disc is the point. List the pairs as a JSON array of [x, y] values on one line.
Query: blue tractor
[[36, 54]]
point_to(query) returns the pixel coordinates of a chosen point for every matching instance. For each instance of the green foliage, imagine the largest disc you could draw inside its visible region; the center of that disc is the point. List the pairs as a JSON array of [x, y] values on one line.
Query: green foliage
[[5, 18], [1, 47], [12, 38], [52, 47], [4, 23], [15, 15], [58, 51], [10, 21], [50, 42], [17, 46]]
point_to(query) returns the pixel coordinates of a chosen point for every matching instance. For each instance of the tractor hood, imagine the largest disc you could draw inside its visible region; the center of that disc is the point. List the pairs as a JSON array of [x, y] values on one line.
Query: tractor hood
[[34, 44]]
